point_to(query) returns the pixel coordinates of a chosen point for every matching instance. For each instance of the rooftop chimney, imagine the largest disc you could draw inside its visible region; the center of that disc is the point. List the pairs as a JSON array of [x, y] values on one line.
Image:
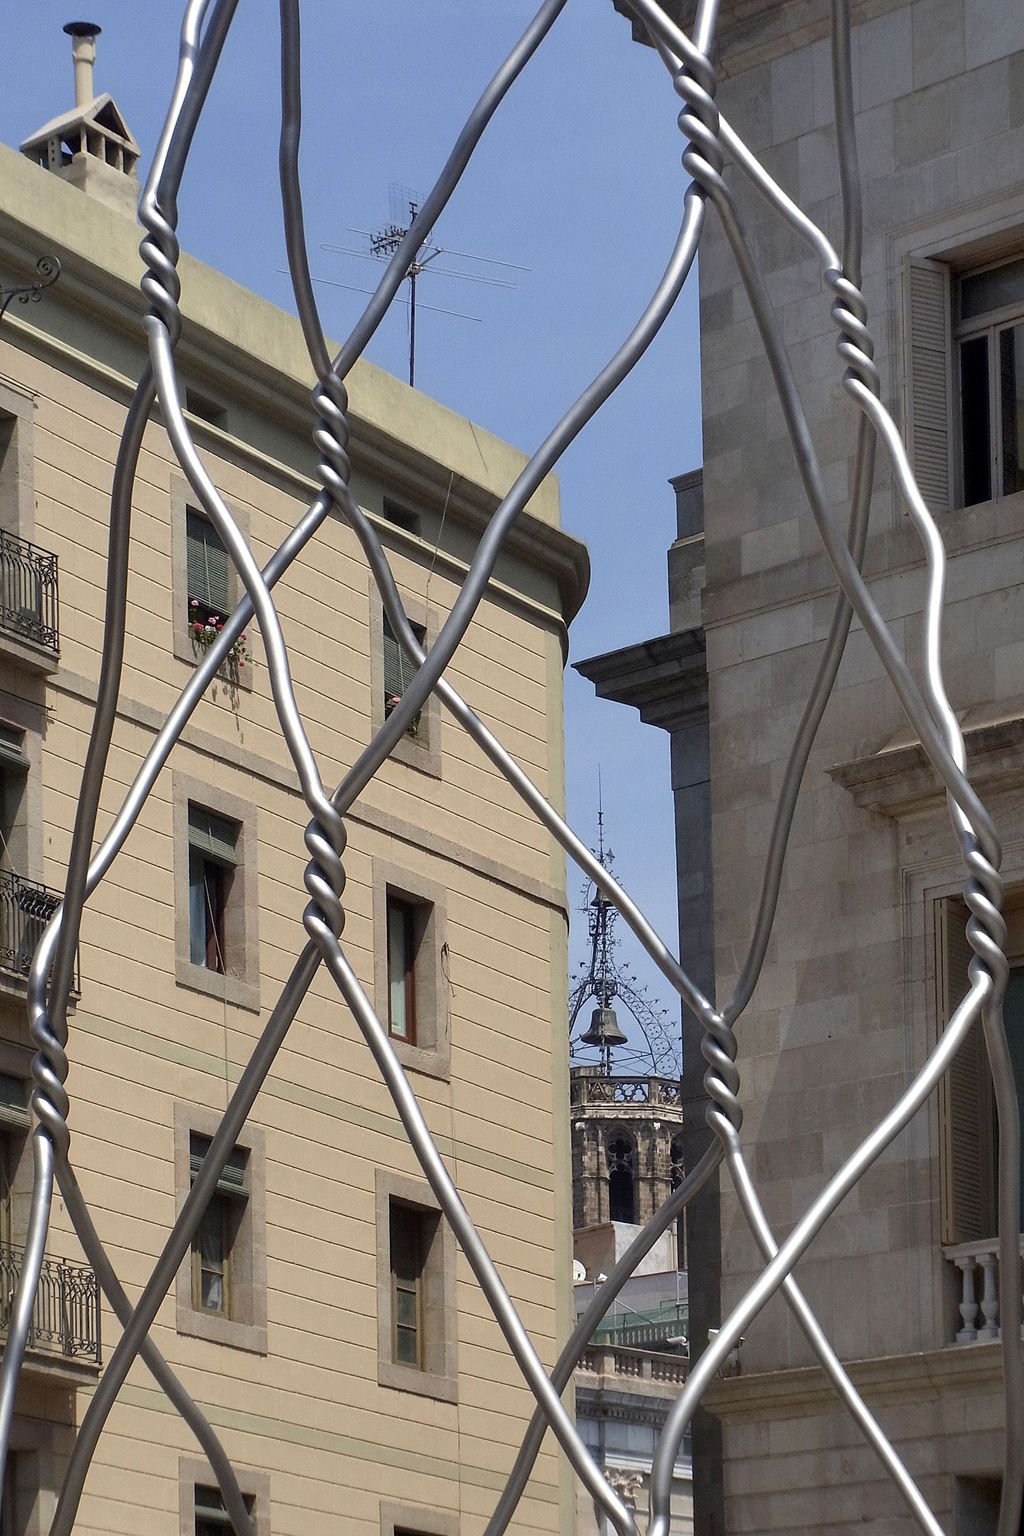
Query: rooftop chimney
[[83, 35], [91, 146]]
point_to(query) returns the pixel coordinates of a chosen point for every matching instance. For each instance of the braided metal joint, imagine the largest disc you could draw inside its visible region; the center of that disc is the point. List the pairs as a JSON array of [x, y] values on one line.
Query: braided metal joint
[[325, 838], [160, 283], [854, 344], [699, 122], [331, 436], [722, 1078]]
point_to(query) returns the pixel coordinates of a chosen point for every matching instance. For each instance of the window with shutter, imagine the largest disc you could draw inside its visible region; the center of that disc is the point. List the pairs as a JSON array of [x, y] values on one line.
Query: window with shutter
[[213, 1245], [212, 857], [967, 1157], [928, 355], [209, 570], [399, 672]]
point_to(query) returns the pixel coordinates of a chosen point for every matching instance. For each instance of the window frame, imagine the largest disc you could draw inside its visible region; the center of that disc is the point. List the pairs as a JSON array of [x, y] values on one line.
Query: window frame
[[989, 325], [430, 1050], [422, 751], [246, 1326], [437, 1376], [193, 1473], [397, 1519], [183, 501], [239, 983]]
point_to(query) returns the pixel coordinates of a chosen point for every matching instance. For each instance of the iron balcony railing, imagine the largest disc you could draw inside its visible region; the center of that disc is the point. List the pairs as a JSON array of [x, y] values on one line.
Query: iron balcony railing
[[29, 603], [25, 909], [66, 1316]]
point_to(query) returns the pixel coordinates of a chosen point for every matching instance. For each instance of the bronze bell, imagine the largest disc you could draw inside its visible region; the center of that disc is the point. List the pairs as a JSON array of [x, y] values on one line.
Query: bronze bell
[[604, 1030]]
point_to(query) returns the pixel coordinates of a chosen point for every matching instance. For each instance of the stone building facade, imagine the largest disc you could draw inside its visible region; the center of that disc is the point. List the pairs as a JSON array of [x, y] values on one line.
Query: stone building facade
[[867, 957], [345, 1405]]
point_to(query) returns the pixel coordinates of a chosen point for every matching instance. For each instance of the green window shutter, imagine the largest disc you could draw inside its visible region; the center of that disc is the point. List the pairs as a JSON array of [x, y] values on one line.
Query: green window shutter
[[398, 669], [14, 1115], [967, 1173], [215, 837], [208, 565], [232, 1179], [928, 371]]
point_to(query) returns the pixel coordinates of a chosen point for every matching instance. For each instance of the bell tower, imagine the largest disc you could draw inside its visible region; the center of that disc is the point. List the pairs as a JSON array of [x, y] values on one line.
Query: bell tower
[[625, 1104]]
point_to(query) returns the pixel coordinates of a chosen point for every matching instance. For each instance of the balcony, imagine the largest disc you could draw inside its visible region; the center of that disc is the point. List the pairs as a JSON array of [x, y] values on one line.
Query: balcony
[[66, 1317], [29, 604], [633, 1365], [25, 909], [978, 1285], [589, 1085]]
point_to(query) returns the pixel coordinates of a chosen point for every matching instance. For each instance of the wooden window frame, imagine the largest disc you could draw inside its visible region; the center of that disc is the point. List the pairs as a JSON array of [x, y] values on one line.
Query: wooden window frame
[[437, 1374], [239, 982], [243, 1323], [989, 325], [429, 1050]]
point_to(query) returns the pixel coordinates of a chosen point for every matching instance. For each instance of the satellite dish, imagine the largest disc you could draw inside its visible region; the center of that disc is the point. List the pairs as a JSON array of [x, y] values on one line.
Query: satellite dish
[[579, 1272]]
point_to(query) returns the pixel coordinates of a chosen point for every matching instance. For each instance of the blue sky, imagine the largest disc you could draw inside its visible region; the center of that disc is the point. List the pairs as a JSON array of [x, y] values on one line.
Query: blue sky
[[578, 179]]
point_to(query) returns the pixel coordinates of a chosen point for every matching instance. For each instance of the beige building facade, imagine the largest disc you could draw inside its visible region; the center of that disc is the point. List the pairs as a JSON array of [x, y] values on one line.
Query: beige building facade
[[325, 1319], [867, 957]]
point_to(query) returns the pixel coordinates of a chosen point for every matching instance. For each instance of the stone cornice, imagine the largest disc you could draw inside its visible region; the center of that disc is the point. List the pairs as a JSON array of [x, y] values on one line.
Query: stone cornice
[[665, 679], [900, 780], [890, 1379]]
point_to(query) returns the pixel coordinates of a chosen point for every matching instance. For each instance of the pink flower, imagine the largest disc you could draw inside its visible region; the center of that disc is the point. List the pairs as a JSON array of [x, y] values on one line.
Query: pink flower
[[194, 603]]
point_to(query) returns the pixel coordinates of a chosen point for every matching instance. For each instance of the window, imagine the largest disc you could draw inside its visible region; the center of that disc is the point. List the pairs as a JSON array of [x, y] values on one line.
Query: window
[[201, 1506], [215, 893], [206, 409], [401, 516], [212, 856], [409, 1238], [399, 673], [391, 672], [212, 1519], [989, 337], [13, 786], [15, 1124], [408, 1520], [415, 1290], [965, 378], [213, 1243], [969, 1135], [209, 591], [677, 1173], [222, 1287], [621, 1179], [411, 987], [403, 942], [205, 587]]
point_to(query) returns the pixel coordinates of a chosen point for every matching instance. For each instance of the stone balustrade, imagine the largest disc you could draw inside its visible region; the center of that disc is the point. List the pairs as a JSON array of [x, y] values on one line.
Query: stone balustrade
[[640, 1365], [978, 1266]]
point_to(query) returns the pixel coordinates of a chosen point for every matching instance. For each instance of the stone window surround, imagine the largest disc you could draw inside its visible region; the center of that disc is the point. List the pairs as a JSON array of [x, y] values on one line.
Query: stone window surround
[[440, 1379], [249, 1250], [193, 1473], [18, 513], [968, 237], [38, 1452], [29, 717], [432, 1052], [423, 751], [240, 985], [414, 1517], [182, 498]]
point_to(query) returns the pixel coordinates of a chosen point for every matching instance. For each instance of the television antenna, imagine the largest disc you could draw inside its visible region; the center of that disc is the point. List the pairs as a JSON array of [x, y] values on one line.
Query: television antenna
[[384, 242]]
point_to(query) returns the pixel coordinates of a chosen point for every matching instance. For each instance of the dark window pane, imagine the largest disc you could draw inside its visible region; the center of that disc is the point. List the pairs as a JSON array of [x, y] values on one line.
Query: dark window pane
[[975, 421], [1013, 1014], [401, 921], [1011, 406], [983, 292]]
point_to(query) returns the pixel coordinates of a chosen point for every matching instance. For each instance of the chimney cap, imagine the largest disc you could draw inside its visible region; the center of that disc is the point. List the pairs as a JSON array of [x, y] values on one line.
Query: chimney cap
[[82, 29]]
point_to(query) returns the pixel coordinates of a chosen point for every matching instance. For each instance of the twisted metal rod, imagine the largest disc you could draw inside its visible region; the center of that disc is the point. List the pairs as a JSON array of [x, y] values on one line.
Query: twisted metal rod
[[694, 79]]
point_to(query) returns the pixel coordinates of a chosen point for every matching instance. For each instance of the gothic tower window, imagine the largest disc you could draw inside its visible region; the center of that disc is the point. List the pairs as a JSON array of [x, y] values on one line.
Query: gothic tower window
[[677, 1172], [621, 1179]]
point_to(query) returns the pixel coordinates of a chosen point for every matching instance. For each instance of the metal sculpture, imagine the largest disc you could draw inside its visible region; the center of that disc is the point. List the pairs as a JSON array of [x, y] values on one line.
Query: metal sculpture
[[709, 141]]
